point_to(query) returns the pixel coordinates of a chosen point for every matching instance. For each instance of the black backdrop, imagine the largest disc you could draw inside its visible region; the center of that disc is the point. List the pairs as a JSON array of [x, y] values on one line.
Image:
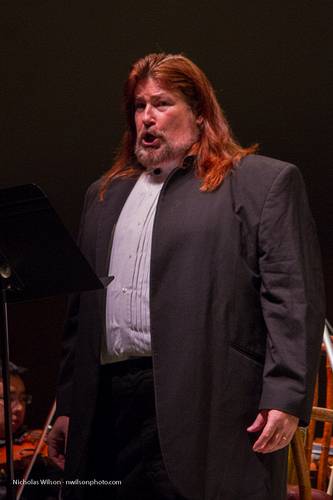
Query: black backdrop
[[64, 63]]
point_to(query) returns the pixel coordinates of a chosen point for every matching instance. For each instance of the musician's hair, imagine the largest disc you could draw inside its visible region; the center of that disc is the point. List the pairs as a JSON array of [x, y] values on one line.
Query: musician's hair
[[14, 370], [216, 151]]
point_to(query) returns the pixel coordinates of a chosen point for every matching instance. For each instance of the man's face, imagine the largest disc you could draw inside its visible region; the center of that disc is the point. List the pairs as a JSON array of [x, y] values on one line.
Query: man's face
[[166, 127], [17, 393]]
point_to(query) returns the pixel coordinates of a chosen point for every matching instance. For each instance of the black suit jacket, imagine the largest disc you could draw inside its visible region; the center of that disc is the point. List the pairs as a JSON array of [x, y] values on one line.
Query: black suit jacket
[[236, 300]]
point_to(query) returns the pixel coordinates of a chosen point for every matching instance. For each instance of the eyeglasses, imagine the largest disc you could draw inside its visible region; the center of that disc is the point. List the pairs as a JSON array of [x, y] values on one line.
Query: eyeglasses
[[25, 399]]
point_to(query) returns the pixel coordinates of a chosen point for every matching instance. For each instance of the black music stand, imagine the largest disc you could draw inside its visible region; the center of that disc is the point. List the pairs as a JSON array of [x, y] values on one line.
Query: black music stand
[[38, 258]]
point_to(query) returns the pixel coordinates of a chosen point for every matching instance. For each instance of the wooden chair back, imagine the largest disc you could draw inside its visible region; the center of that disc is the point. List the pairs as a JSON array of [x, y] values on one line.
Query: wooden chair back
[[322, 468], [304, 491]]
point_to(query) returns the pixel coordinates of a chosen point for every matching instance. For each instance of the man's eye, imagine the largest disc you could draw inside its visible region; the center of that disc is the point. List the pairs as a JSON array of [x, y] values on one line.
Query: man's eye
[[163, 104], [139, 105]]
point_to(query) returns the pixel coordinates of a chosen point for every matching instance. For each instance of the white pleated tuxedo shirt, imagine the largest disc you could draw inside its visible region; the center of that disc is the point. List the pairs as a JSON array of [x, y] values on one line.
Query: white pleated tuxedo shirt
[[127, 305]]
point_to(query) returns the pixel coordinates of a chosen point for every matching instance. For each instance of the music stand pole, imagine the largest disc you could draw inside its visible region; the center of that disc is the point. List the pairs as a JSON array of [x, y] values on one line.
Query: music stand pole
[[4, 348]]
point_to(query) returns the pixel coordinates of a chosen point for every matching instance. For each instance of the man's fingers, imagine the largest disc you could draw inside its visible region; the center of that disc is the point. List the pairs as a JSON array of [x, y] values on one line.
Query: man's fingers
[[277, 433], [55, 453], [57, 441], [265, 436], [277, 442], [259, 422], [58, 460]]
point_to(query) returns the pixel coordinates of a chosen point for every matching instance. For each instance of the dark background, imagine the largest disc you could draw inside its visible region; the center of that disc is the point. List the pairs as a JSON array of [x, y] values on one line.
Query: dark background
[[64, 63]]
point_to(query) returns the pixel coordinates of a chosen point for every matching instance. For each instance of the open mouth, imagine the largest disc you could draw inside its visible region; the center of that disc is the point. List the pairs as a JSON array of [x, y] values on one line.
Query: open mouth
[[150, 140]]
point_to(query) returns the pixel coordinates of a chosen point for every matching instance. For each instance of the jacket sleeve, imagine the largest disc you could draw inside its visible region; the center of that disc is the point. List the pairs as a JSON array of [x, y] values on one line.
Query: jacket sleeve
[[292, 296]]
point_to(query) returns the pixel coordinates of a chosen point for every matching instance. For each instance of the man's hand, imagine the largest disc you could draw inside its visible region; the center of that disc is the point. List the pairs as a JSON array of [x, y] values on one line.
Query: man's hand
[[277, 429], [56, 441]]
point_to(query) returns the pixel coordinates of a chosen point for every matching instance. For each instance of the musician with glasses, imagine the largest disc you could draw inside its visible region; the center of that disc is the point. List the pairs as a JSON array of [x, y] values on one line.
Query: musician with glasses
[[19, 401], [24, 443]]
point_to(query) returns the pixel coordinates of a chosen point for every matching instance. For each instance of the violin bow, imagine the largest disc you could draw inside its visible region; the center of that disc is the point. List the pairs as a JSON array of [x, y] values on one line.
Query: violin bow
[[37, 450]]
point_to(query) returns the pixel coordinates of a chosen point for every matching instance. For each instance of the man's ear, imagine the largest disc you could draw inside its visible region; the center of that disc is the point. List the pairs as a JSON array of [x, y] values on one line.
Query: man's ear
[[199, 121]]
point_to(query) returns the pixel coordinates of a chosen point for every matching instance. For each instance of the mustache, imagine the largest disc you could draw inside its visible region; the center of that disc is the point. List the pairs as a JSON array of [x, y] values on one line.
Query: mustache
[[155, 133]]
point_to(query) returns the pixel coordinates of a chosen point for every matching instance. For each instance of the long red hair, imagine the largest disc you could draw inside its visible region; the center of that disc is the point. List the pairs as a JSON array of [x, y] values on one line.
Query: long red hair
[[216, 150]]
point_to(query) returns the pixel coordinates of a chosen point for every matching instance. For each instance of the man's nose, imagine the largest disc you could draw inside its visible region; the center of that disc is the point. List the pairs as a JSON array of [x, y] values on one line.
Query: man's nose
[[148, 116]]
